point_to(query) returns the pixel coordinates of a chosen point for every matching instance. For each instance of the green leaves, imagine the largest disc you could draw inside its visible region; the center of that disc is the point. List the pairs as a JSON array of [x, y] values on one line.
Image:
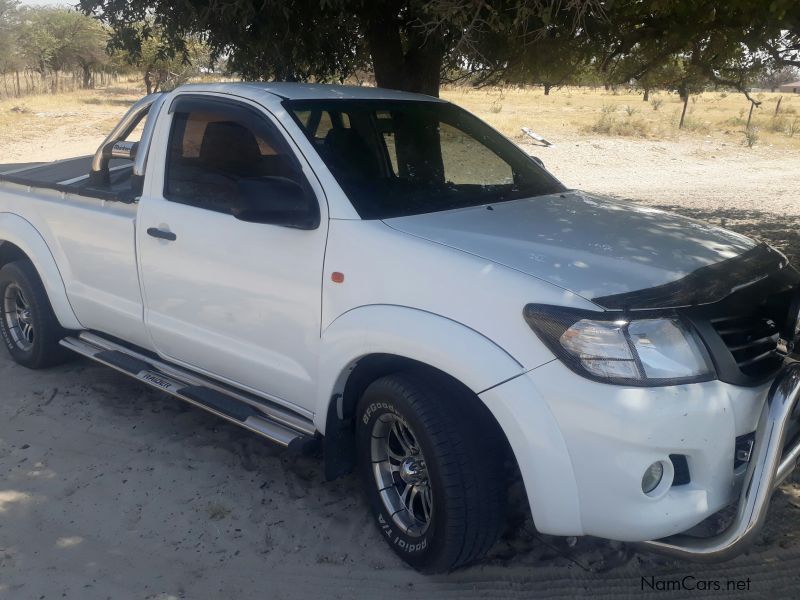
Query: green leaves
[[54, 39], [680, 44]]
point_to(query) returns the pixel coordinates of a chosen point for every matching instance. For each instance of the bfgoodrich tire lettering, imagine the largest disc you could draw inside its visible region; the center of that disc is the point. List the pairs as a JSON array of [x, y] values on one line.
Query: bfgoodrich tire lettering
[[432, 474], [28, 327]]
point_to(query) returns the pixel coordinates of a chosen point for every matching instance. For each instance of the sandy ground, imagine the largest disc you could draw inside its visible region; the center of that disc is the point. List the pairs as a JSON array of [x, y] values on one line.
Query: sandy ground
[[109, 490]]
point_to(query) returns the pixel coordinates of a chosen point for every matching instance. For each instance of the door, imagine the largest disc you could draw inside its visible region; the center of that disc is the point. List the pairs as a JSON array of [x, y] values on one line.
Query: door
[[235, 299]]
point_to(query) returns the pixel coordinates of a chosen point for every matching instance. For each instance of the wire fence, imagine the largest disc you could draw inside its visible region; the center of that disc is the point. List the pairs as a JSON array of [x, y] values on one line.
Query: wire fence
[[28, 82]]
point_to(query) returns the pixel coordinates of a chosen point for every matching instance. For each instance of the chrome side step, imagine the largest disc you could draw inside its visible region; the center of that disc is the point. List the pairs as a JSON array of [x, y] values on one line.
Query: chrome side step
[[259, 416]]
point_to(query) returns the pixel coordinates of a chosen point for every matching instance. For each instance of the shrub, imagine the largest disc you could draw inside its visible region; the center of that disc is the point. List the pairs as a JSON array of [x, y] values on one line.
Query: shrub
[[750, 136], [692, 123], [495, 108], [608, 109], [793, 127], [608, 124], [630, 111], [778, 124], [657, 103]]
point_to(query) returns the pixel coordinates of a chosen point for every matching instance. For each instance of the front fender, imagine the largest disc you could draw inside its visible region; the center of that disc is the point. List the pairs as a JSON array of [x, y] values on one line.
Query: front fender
[[16, 230], [494, 375], [451, 347], [541, 452]]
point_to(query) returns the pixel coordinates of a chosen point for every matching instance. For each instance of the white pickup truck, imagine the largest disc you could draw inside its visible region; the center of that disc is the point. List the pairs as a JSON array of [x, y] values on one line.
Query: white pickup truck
[[384, 276]]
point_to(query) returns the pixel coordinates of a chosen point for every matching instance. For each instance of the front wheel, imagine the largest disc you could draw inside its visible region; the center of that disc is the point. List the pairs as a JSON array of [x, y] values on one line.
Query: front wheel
[[28, 326], [431, 469]]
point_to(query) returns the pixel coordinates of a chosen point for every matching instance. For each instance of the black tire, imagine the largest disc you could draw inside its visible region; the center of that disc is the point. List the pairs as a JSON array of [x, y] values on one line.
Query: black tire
[[43, 349], [463, 461]]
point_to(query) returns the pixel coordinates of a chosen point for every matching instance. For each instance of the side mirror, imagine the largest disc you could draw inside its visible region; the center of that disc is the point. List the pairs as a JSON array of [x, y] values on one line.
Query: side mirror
[[276, 201]]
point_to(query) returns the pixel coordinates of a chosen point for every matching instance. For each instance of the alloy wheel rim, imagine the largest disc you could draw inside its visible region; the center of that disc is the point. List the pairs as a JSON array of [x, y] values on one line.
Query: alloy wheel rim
[[18, 317], [401, 474]]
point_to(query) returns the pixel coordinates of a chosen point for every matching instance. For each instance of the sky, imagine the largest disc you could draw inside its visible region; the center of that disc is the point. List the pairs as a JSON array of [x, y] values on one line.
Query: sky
[[49, 2]]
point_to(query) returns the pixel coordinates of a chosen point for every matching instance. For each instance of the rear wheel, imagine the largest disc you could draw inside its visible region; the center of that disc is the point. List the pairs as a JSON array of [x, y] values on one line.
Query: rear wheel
[[28, 326], [432, 473]]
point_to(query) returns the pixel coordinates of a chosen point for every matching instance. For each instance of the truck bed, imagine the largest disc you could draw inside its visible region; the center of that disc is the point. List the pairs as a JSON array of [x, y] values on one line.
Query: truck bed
[[72, 175]]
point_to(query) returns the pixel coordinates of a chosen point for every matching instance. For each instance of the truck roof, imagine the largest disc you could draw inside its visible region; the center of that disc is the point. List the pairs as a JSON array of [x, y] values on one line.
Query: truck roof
[[306, 91]]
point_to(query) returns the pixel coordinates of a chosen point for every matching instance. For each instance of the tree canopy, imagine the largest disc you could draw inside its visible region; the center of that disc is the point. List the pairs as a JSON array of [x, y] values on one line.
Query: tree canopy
[[416, 45], [50, 41], [408, 44]]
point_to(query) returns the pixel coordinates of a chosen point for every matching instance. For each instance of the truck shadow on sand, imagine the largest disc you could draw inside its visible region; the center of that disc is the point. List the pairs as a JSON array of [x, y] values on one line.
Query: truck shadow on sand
[[257, 470], [781, 231]]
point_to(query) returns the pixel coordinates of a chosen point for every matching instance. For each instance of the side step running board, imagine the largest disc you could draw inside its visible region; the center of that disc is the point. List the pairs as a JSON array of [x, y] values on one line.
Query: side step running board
[[273, 422]]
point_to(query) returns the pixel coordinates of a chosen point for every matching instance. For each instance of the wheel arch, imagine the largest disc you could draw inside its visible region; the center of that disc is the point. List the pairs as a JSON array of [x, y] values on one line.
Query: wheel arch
[[20, 240], [338, 442], [373, 341]]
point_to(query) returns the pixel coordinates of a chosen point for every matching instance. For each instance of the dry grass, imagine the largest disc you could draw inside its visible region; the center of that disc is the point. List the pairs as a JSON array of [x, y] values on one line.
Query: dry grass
[[88, 114], [624, 126], [44, 121], [717, 115]]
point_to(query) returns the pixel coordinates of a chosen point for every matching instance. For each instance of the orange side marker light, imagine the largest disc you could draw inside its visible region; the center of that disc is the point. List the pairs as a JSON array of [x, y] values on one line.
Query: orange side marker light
[[337, 277]]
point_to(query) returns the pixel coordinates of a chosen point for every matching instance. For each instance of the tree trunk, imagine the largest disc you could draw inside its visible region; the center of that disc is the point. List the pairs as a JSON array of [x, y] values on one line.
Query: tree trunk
[[646, 95], [87, 76], [547, 87], [159, 81], [684, 94], [418, 68], [683, 112], [148, 82]]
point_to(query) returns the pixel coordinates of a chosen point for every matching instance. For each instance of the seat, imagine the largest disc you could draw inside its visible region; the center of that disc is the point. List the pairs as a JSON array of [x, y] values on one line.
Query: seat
[[349, 155], [231, 148]]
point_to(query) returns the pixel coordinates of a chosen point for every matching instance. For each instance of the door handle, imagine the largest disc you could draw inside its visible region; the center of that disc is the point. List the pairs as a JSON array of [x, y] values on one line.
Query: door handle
[[161, 234]]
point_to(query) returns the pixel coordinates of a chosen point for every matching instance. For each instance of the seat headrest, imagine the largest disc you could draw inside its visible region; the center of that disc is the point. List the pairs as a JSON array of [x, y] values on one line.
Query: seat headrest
[[230, 146], [351, 155]]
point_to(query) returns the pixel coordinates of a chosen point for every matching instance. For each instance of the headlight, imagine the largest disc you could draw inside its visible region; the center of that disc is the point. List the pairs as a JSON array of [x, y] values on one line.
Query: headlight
[[610, 347]]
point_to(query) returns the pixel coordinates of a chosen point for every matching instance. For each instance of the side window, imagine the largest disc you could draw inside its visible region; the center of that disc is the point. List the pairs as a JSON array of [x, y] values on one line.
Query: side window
[[216, 148], [468, 162]]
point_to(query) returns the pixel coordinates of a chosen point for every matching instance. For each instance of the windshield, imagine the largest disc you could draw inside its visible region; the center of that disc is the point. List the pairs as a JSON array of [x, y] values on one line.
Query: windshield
[[400, 158]]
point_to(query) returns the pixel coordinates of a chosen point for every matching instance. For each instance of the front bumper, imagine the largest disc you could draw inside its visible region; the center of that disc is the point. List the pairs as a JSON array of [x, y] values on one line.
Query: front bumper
[[771, 462], [582, 447]]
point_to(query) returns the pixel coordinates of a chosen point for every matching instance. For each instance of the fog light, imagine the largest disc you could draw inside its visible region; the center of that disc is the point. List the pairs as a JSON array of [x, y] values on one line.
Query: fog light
[[652, 477]]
